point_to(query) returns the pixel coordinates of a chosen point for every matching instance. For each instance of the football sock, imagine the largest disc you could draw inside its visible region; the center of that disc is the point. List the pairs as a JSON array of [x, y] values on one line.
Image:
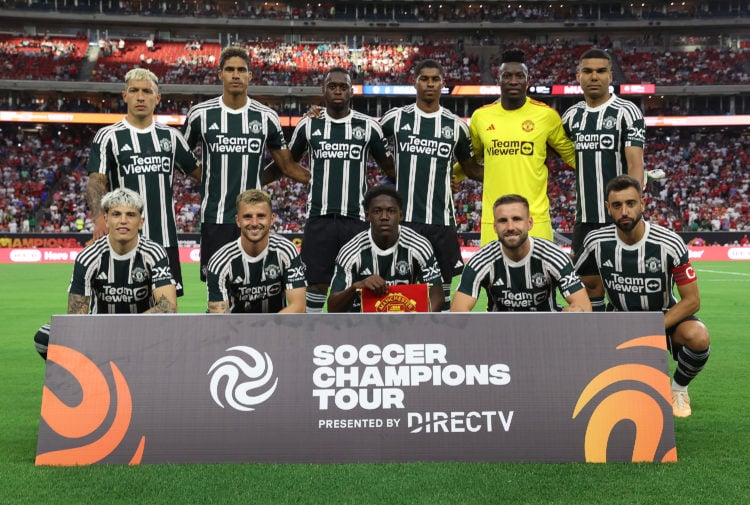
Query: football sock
[[689, 364], [447, 295], [597, 304], [314, 302]]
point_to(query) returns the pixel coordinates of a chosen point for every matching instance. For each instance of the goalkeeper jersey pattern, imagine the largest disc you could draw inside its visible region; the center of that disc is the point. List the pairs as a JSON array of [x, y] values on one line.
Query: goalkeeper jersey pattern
[[233, 145], [120, 284], [529, 285], [410, 261], [638, 277], [424, 146], [601, 135], [337, 150], [512, 144], [144, 161], [255, 284]]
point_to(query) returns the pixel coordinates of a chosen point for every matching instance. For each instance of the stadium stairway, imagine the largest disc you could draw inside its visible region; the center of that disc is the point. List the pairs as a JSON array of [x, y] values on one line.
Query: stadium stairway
[[88, 63]]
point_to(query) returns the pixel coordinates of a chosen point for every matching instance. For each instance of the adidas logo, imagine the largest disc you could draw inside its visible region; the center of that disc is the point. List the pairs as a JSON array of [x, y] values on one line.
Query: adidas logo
[[214, 126], [608, 264], [491, 127], [458, 264], [366, 271], [499, 282], [575, 126], [238, 280], [317, 133], [406, 127], [102, 276], [126, 147]]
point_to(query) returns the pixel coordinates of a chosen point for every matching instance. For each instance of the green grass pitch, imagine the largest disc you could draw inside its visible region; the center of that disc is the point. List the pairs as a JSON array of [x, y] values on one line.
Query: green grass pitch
[[712, 444]]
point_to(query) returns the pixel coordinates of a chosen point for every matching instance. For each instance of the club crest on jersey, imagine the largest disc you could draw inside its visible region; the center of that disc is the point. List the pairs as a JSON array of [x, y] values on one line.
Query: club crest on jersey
[[165, 145], [528, 126], [653, 265], [358, 133], [538, 280], [272, 271], [402, 268], [139, 275], [447, 132], [609, 122], [255, 127]]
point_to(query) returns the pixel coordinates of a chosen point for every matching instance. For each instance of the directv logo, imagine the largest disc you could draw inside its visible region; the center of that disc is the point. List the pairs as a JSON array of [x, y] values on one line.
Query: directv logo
[[459, 422]]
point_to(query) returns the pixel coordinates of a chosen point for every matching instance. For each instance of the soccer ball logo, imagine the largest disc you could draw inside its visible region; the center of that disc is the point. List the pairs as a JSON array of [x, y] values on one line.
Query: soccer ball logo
[[245, 384]]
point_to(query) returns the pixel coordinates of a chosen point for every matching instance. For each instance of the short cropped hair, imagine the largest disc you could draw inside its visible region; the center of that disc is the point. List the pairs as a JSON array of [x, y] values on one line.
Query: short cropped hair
[[621, 183], [232, 52], [335, 70], [514, 56], [428, 63], [254, 197], [142, 74], [595, 52], [509, 199], [122, 197], [384, 189]]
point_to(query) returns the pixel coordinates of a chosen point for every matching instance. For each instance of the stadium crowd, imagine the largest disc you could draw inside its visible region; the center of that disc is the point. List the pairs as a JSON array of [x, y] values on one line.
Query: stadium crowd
[[707, 187], [375, 60]]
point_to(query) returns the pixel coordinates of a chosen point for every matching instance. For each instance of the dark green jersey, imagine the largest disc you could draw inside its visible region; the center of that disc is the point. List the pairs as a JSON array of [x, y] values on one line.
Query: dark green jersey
[[120, 284], [233, 145], [255, 284], [410, 261], [524, 286], [638, 277], [601, 135], [144, 161], [337, 149], [425, 146]]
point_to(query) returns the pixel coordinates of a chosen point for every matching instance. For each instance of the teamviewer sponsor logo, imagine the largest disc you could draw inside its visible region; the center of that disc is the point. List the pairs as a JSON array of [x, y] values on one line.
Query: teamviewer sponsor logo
[[244, 380]]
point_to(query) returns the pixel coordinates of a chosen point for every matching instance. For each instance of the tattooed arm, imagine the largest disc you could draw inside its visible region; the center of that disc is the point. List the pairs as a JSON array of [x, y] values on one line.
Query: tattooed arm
[[78, 304], [165, 300]]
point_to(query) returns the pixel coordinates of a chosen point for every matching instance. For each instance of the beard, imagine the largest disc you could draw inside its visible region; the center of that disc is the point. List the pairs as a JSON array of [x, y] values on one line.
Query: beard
[[630, 226]]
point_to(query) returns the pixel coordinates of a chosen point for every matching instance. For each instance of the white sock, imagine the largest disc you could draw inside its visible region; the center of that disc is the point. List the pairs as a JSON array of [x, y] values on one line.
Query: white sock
[[677, 387]]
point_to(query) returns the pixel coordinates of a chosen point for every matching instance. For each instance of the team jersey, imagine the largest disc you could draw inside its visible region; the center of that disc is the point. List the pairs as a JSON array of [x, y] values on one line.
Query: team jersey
[[233, 145], [144, 161], [120, 284], [255, 284], [638, 277], [529, 285], [337, 150], [512, 144], [411, 260], [601, 135], [424, 146]]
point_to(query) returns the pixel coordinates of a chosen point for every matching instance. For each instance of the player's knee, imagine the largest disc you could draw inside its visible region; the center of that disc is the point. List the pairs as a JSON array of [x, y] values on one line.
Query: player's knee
[[693, 335]]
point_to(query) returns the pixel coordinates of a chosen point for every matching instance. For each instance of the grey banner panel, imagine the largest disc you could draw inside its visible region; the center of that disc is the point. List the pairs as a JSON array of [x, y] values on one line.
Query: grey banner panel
[[356, 388]]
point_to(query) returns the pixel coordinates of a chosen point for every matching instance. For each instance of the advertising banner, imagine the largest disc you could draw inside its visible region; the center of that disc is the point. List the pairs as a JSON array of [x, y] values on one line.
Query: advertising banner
[[339, 388]]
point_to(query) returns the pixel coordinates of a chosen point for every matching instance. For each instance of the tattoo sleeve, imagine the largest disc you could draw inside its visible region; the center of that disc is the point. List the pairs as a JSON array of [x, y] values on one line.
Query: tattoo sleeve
[[78, 304], [221, 307], [95, 190]]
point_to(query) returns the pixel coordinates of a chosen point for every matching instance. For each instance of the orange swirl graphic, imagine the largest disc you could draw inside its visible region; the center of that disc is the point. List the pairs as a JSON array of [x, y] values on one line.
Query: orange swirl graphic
[[641, 409], [85, 418]]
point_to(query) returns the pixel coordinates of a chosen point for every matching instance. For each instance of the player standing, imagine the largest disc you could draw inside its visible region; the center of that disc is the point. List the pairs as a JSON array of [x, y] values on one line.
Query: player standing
[[510, 138], [425, 139], [140, 154], [234, 132], [337, 142]]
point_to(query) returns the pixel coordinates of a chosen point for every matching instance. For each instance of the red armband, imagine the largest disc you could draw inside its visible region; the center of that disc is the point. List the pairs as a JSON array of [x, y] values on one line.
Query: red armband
[[684, 274]]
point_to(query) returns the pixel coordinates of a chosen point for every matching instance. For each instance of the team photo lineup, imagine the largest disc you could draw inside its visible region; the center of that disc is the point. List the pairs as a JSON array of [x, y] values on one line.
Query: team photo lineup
[[384, 196]]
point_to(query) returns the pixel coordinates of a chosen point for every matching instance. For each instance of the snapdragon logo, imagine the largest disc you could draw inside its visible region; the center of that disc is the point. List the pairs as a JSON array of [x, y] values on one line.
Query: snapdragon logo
[[247, 380]]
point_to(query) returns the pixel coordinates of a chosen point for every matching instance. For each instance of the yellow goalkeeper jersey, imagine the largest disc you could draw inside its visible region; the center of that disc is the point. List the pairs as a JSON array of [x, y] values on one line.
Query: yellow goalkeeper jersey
[[512, 144]]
